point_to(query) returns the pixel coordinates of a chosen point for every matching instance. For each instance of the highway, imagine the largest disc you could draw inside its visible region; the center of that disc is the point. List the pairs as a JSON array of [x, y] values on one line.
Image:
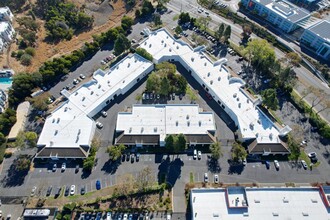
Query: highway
[[305, 77]]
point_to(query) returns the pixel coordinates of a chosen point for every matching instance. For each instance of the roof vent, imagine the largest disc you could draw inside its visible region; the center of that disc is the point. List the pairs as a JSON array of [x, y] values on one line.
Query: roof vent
[[188, 123], [257, 134], [58, 120], [271, 137], [237, 99], [251, 126], [130, 129], [155, 129], [162, 41], [170, 50], [239, 105], [135, 60], [245, 214], [145, 43], [192, 59], [235, 95], [77, 139], [79, 131], [215, 215], [128, 65], [219, 78], [142, 129], [177, 47], [208, 74], [123, 81], [173, 42], [305, 214], [256, 201], [149, 45], [200, 123], [259, 122], [65, 109], [187, 117], [53, 120], [166, 37], [99, 86], [83, 98], [165, 45], [247, 100], [211, 82], [205, 64], [176, 123], [314, 200], [56, 131], [275, 214], [92, 92], [285, 200], [76, 93]]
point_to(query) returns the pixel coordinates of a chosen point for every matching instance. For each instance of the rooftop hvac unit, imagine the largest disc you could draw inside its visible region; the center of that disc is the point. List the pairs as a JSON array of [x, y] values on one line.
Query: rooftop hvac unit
[[142, 129], [219, 78], [150, 45], [65, 109], [170, 50], [130, 130], [177, 47], [208, 74], [200, 123], [188, 123], [176, 123], [235, 95], [53, 120], [211, 82], [92, 92], [173, 42], [205, 64], [162, 41], [239, 105], [58, 120], [187, 117], [83, 98], [192, 59], [108, 81], [155, 129], [56, 131], [128, 65]]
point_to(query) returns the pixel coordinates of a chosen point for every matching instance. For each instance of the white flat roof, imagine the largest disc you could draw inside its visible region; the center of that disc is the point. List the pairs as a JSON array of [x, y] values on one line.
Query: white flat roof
[[165, 119], [90, 95], [263, 203], [70, 124], [252, 122], [4, 26]]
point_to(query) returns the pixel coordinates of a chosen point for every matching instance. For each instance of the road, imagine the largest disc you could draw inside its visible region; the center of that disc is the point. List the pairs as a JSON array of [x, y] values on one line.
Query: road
[[305, 77]]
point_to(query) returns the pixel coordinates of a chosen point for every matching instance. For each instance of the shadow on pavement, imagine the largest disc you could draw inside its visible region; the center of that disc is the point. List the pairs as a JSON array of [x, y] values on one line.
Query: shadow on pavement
[[15, 177], [169, 171], [213, 165], [235, 168], [111, 167], [85, 173]]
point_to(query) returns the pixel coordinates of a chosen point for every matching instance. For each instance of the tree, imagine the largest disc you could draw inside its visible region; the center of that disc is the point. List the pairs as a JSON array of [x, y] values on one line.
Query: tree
[[126, 23], [157, 19], [292, 59], [294, 150], [31, 51], [238, 153], [216, 150], [39, 102], [219, 32], [169, 142], [144, 53], [26, 59], [247, 31], [286, 78], [115, 152], [227, 32], [184, 18], [31, 138], [147, 8], [178, 30], [204, 22], [270, 99], [153, 82], [180, 143], [260, 53], [180, 83], [22, 163], [164, 86], [121, 44], [144, 179]]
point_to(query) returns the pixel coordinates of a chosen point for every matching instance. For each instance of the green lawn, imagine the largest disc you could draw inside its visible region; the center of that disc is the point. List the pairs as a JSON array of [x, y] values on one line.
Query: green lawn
[[176, 17]]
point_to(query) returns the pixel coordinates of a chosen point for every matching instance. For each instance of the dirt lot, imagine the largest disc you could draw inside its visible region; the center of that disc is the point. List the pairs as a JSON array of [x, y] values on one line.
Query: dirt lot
[[106, 15]]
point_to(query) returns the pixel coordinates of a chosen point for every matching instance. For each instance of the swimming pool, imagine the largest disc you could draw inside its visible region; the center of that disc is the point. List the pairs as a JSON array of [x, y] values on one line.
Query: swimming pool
[[6, 80]]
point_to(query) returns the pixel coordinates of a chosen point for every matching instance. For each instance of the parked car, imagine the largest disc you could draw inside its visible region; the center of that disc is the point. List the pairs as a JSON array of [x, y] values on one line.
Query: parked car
[[195, 154], [33, 191], [98, 184], [277, 164], [82, 76], [216, 178], [132, 158], [54, 167], [206, 178], [99, 125], [304, 164], [199, 155], [49, 191], [63, 167], [137, 157], [312, 155], [67, 191], [173, 96], [83, 190], [244, 162], [72, 190], [267, 164], [77, 169], [58, 191], [108, 216], [104, 113], [128, 156]]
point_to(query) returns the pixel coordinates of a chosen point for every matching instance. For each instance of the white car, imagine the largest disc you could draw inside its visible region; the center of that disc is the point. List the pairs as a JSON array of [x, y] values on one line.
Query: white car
[[99, 125], [72, 190], [304, 164], [277, 164], [199, 155], [104, 113], [206, 178], [63, 167], [125, 217], [33, 191], [82, 76], [216, 179], [195, 154]]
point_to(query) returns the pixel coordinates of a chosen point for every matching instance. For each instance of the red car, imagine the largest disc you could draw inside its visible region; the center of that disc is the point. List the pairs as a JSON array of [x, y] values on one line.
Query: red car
[[209, 96]]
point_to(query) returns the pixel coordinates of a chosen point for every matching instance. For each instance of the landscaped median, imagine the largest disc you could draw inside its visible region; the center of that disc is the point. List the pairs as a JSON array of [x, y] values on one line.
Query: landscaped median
[[128, 195]]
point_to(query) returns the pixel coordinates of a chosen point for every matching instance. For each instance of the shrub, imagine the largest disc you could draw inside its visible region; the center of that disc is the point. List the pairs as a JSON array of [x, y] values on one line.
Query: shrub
[[31, 51], [19, 54], [26, 59]]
